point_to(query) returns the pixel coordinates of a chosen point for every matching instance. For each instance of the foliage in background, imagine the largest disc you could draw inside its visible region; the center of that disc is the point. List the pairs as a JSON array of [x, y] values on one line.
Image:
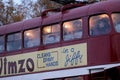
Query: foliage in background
[[11, 12]]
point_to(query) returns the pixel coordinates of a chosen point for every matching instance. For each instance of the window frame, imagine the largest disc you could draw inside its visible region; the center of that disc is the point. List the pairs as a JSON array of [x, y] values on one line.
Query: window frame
[[30, 39], [15, 40], [51, 33], [89, 23], [71, 20]]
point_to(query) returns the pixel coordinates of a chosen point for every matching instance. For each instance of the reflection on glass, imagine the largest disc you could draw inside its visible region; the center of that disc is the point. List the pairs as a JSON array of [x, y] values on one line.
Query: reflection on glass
[[99, 25], [47, 30], [14, 41], [1, 44], [32, 38], [72, 29], [51, 34], [116, 21]]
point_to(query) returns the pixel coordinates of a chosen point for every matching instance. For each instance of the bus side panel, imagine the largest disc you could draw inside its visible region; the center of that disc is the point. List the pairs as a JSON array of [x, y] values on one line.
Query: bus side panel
[[116, 48], [99, 50]]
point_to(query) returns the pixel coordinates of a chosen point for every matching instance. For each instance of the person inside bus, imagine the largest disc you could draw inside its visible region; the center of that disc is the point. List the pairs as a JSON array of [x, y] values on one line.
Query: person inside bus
[[102, 27]]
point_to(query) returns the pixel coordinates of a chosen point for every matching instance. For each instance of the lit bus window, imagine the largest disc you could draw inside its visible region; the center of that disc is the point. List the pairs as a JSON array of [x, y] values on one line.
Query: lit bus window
[[14, 41], [72, 29], [116, 21], [1, 44], [99, 25], [32, 38], [51, 34]]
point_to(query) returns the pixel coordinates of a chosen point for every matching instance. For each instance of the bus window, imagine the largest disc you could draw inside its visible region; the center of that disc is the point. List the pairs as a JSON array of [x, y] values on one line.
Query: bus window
[[51, 34], [116, 21], [72, 29], [32, 38], [99, 25], [14, 41], [1, 44]]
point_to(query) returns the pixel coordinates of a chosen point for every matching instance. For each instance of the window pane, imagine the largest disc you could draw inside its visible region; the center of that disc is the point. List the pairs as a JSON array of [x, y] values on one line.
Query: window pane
[[1, 44], [51, 34], [32, 38], [72, 29], [116, 21], [99, 25], [14, 41]]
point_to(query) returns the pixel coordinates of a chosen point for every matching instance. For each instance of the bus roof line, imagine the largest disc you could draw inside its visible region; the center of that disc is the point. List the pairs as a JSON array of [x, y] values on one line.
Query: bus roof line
[[44, 13], [71, 6], [64, 8]]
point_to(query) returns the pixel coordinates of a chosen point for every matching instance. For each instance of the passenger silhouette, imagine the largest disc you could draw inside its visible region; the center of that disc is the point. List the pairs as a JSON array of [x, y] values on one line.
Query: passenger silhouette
[[102, 27]]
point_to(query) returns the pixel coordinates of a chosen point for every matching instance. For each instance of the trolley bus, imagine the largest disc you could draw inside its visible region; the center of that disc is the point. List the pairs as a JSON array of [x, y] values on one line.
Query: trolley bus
[[81, 43]]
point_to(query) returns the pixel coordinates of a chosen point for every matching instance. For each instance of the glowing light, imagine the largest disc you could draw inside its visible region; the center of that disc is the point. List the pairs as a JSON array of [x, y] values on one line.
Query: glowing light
[[28, 34], [66, 26], [103, 16], [47, 30]]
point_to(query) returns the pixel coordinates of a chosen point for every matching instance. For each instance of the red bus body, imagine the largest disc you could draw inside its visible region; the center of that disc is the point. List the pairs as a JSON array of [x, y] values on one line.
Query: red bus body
[[103, 53]]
